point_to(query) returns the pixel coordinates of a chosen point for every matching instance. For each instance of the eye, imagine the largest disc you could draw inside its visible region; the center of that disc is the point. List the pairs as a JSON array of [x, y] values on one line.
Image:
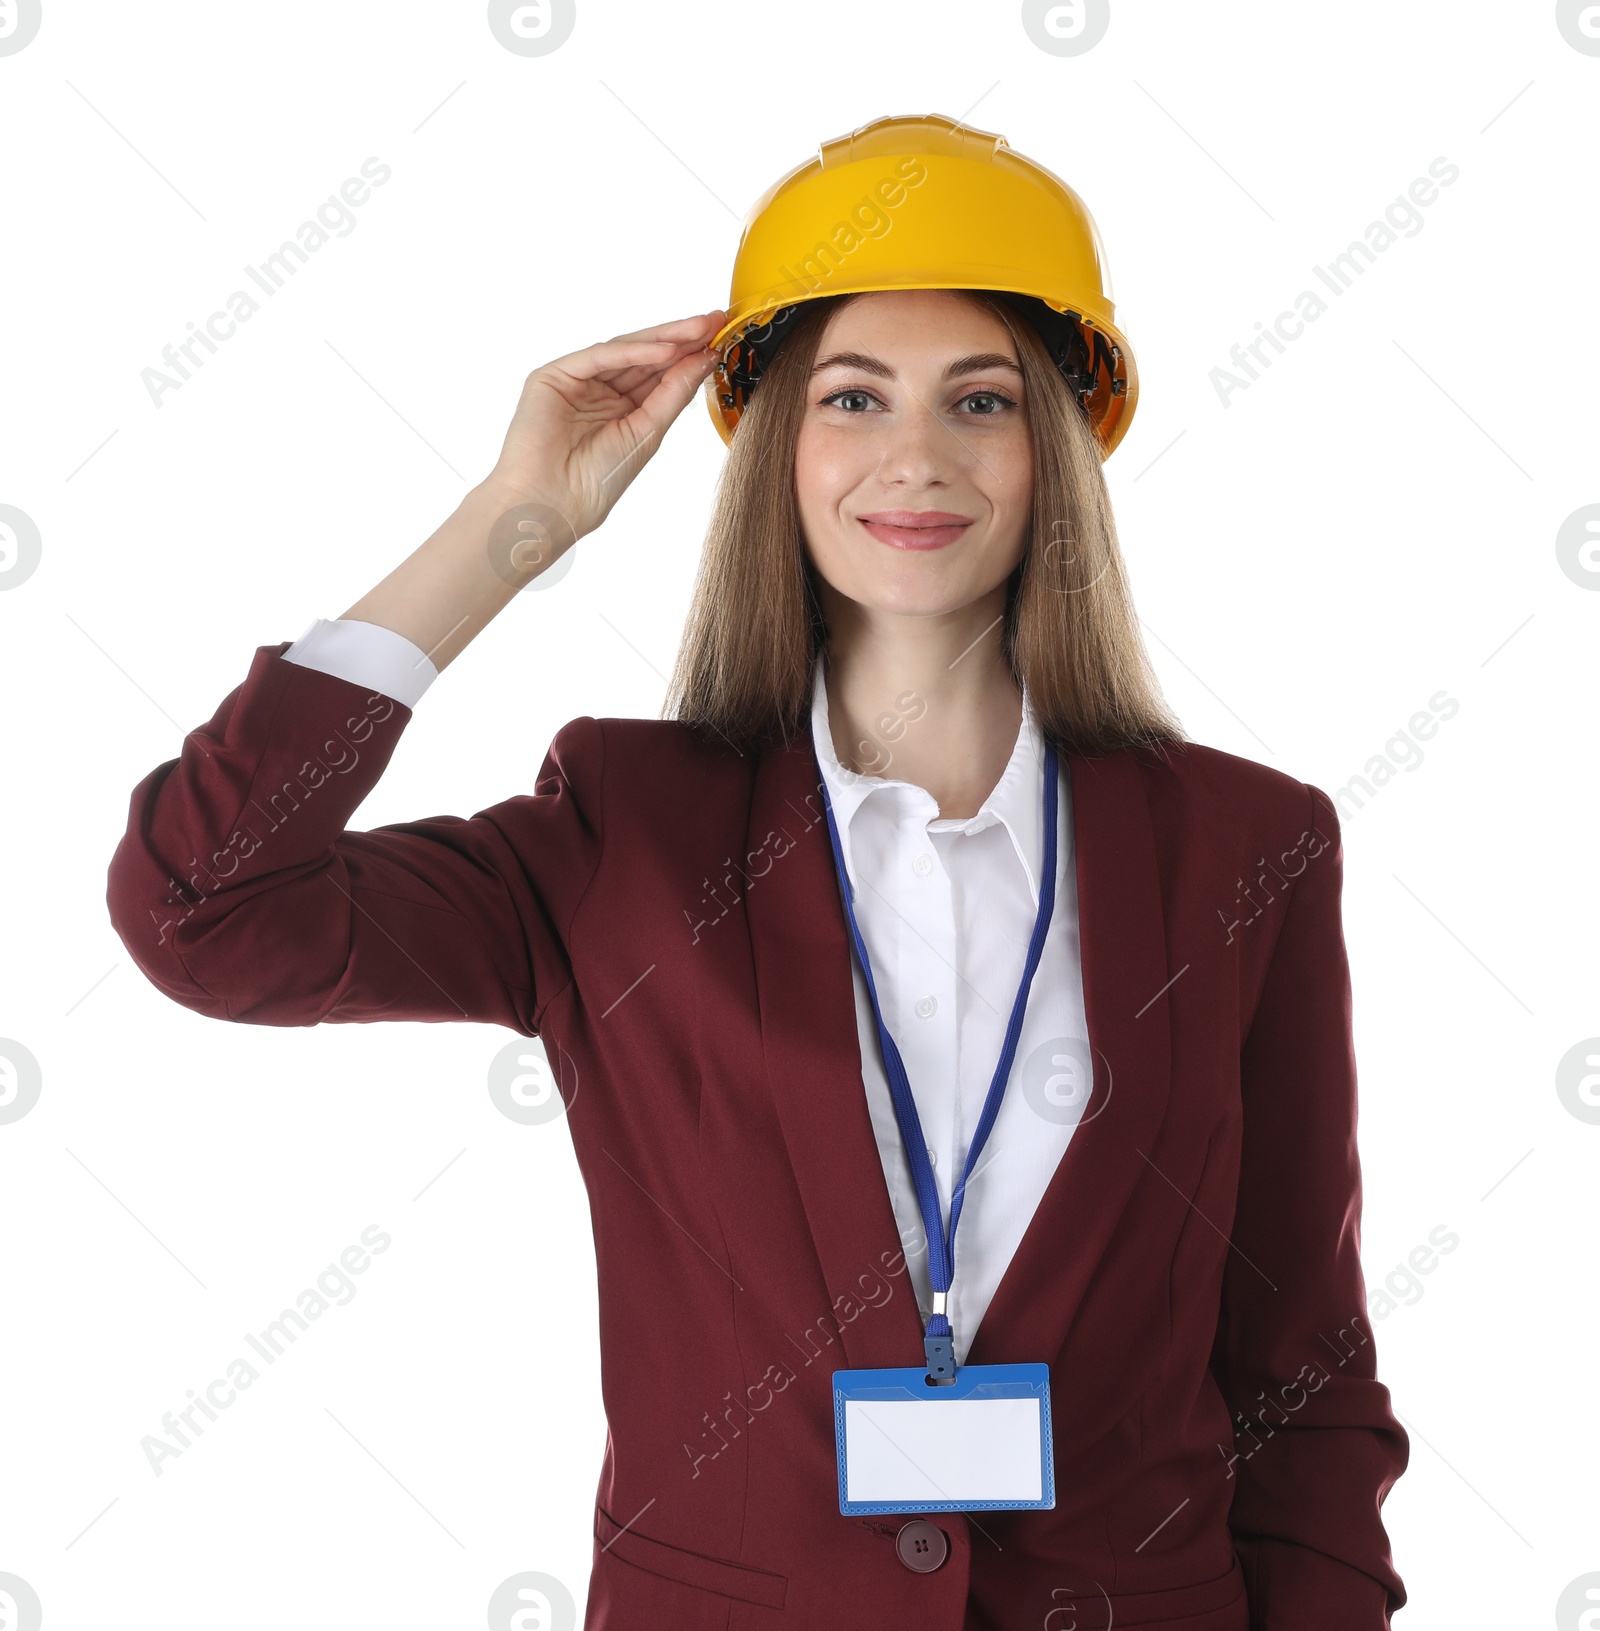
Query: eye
[[997, 403], [838, 399]]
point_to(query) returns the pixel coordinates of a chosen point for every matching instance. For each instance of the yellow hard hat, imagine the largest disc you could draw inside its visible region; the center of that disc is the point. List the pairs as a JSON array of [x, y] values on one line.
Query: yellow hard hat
[[926, 203]]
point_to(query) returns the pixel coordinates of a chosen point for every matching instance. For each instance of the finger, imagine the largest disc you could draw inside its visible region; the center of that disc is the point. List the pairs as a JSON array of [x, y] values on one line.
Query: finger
[[612, 356], [706, 324], [635, 383], [685, 332], [630, 380], [669, 397]]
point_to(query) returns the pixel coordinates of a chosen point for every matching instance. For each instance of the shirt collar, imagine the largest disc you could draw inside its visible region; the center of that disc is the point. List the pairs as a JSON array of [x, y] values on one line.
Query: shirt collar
[[1016, 801]]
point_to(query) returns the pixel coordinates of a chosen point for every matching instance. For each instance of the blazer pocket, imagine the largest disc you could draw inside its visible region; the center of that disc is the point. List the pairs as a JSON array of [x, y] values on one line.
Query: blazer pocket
[[1219, 1604], [688, 1568]]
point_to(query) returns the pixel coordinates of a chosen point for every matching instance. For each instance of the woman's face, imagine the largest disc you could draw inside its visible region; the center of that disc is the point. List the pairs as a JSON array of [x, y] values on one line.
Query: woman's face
[[914, 466]]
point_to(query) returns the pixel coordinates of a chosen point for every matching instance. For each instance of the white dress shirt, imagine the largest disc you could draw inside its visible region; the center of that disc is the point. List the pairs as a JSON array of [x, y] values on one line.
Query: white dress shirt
[[946, 908]]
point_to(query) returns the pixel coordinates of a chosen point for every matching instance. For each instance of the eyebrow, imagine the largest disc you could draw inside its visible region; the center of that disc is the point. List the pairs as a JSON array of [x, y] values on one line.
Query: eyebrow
[[979, 362]]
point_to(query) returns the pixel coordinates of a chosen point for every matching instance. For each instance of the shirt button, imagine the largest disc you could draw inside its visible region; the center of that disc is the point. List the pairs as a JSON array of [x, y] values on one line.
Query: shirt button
[[922, 1546], [925, 1007], [933, 1159], [922, 866]]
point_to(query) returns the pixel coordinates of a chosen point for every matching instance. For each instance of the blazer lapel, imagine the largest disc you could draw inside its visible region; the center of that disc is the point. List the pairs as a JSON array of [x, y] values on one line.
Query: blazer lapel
[[801, 950], [1125, 979]]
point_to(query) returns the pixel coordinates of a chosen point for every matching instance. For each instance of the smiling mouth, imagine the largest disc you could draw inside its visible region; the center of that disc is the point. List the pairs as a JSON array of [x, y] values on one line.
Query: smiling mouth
[[915, 529]]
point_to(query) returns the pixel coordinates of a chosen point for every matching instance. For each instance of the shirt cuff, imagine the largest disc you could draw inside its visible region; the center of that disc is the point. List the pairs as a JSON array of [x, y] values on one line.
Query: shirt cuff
[[366, 654]]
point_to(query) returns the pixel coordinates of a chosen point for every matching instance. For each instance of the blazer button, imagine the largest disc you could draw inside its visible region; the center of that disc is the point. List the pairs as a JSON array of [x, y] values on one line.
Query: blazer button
[[922, 1546]]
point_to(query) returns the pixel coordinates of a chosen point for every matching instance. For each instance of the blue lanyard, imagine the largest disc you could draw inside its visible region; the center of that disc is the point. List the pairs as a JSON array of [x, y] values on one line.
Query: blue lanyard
[[938, 1342]]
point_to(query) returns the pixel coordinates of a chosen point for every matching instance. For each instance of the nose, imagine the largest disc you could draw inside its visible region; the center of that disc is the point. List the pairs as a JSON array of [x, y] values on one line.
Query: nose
[[919, 451]]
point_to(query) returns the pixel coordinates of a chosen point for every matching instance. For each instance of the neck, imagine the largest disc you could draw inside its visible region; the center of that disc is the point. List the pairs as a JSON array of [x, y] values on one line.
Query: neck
[[928, 700]]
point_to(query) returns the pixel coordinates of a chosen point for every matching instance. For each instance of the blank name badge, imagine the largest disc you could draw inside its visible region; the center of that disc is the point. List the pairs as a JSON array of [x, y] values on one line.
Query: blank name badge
[[982, 1443]]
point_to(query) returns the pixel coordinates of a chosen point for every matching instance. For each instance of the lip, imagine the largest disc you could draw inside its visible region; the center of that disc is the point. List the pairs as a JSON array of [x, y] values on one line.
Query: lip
[[915, 529]]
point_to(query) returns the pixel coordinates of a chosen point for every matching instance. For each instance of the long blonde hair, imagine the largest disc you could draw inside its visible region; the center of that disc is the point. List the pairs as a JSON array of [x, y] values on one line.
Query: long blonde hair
[[755, 625]]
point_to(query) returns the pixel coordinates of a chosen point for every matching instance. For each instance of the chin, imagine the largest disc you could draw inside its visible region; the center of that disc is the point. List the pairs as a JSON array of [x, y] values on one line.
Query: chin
[[911, 584], [915, 600]]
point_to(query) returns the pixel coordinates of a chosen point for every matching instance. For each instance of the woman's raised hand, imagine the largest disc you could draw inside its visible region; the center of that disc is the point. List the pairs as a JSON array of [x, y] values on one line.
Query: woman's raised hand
[[587, 422], [584, 428]]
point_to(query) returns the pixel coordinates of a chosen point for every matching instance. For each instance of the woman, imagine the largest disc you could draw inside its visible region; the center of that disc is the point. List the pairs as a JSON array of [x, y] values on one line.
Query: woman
[[919, 870]]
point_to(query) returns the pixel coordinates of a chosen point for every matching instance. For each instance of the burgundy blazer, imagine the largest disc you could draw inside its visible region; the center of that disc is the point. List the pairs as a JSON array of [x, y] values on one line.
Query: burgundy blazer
[[664, 914]]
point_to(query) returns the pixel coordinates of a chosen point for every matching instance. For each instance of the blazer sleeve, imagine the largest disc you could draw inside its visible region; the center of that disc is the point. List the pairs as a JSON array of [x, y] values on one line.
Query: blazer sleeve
[[238, 891], [1316, 1446]]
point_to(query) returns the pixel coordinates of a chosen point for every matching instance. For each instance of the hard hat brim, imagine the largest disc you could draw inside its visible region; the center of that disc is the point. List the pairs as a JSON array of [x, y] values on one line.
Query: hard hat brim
[[1110, 425]]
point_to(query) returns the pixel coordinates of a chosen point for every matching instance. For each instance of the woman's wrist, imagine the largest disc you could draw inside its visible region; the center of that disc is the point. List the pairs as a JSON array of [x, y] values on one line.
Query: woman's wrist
[[504, 490]]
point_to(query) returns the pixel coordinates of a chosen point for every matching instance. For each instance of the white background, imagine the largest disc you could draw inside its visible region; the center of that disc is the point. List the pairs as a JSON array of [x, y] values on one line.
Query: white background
[[1371, 522]]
